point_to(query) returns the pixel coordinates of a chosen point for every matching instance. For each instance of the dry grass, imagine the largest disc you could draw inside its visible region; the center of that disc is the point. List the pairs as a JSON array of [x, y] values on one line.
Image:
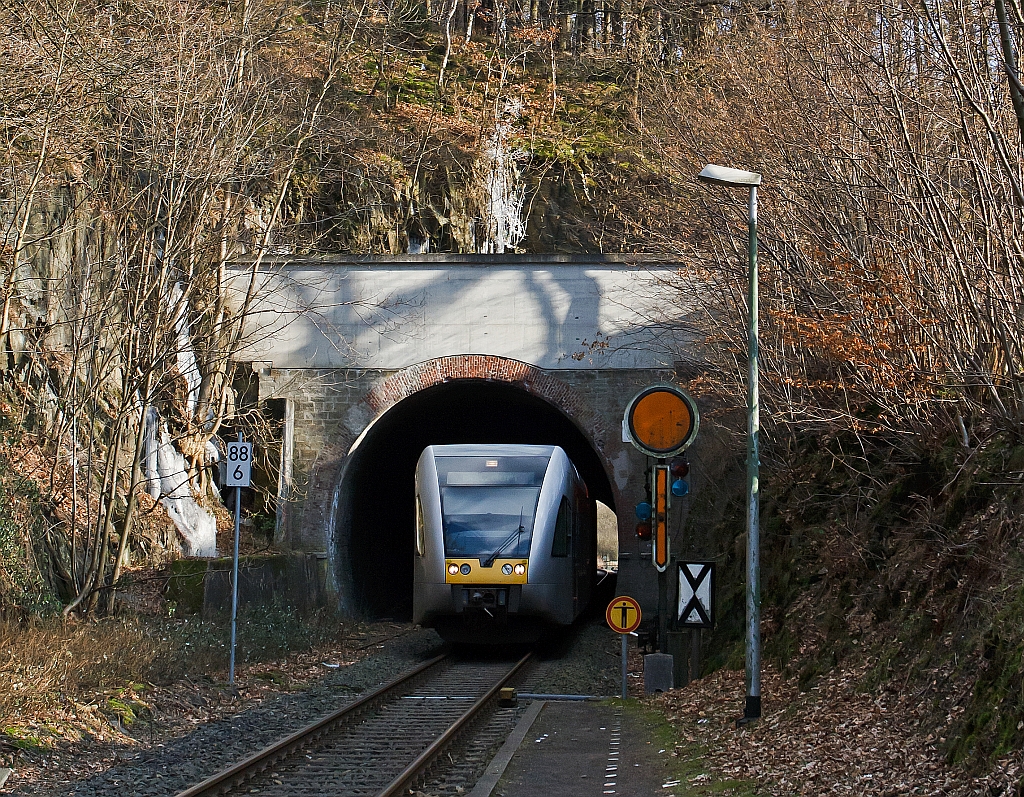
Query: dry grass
[[50, 664], [70, 723], [45, 660]]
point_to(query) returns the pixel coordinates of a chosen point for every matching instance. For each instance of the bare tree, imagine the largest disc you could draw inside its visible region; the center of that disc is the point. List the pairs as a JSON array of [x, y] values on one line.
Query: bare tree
[[114, 306], [891, 227]]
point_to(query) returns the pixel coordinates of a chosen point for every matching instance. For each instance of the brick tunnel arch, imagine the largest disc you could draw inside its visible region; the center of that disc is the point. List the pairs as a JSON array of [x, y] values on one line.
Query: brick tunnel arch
[[463, 399]]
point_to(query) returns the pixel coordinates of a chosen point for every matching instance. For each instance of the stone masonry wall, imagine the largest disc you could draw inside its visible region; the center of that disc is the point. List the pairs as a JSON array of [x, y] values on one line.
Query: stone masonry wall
[[333, 407]]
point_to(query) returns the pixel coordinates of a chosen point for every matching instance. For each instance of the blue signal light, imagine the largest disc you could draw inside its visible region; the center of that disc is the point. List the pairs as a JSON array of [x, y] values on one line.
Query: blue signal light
[[644, 511], [680, 488]]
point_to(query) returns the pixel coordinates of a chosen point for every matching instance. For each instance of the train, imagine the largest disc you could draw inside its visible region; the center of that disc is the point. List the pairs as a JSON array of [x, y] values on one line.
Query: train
[[505, 542]]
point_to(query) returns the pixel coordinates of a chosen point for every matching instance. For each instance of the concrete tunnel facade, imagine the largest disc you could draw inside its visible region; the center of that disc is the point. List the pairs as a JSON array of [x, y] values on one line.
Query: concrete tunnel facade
[[537, 349]]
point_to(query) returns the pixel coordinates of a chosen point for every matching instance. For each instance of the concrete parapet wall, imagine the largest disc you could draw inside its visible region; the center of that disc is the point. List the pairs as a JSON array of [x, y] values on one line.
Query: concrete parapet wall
[[557, 312]]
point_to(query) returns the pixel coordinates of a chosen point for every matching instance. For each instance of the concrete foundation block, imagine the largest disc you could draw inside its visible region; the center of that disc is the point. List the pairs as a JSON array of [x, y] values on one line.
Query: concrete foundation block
[[297, 579], [657, 673]]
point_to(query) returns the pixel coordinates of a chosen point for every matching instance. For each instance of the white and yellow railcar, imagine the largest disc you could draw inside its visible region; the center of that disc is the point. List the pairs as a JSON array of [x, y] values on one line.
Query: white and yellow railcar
[[505, 542]]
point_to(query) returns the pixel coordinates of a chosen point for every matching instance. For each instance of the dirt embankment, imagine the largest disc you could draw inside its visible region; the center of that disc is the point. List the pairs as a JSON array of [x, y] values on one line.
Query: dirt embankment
[[892, 625]]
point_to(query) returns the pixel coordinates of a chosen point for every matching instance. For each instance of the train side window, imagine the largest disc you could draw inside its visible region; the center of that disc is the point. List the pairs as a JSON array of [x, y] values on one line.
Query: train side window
[[421, 542], [560, 544]]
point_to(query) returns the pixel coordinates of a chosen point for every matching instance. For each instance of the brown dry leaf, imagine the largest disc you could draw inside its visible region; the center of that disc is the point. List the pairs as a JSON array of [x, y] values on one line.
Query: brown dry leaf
[[831, 739]]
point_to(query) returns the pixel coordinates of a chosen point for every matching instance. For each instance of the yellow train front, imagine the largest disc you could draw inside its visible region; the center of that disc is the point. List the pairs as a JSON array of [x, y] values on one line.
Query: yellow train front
[[505, 542]]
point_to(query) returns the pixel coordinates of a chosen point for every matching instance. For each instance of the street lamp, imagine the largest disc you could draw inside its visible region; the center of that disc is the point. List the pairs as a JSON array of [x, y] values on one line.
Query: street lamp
[[737, 178]]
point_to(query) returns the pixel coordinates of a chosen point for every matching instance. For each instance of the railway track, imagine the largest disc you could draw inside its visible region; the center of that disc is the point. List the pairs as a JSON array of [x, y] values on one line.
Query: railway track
[[378, 745]]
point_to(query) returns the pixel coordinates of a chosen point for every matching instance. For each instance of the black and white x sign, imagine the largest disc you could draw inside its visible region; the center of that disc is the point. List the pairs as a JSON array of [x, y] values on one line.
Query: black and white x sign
[[696, 594]]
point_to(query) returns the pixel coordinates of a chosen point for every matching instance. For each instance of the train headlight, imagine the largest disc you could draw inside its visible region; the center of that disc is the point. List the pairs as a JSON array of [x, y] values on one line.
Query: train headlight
[[453, 570], [465, 569], [519, 569], [506, 569]]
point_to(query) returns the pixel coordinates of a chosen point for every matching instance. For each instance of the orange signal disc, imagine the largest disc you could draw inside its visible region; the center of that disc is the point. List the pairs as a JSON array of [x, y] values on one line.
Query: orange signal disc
[[661, 420]]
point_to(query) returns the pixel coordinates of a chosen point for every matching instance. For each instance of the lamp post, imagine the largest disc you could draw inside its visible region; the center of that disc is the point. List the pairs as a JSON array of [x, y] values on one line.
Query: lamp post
[[737, 178]]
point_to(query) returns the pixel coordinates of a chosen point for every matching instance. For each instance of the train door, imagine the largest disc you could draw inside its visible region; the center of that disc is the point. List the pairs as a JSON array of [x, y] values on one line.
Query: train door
[[562, 559], [574, 516]]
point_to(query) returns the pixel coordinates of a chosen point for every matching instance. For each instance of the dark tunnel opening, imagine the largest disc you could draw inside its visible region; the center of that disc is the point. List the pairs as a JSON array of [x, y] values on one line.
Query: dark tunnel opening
[[375, 511]]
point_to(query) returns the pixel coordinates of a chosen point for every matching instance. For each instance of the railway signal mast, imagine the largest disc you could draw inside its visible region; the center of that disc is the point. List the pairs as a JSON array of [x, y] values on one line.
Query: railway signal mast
[[662, 421]]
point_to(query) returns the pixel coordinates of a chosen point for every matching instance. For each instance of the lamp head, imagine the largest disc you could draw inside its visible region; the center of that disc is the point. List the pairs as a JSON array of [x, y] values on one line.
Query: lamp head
[[722, 175]]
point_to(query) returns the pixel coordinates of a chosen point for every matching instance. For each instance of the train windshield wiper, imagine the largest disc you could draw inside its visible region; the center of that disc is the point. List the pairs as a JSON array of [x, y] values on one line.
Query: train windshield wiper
[[515, 535]]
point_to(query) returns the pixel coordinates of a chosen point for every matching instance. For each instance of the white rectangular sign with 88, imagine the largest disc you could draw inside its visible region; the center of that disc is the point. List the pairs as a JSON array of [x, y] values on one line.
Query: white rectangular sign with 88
[[238, 472]]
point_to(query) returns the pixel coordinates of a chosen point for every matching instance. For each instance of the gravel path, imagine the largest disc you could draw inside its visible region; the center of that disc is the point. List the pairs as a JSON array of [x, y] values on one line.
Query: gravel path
[[585, 662]]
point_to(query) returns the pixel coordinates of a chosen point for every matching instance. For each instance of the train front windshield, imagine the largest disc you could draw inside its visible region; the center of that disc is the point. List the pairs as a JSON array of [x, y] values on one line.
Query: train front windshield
[[488, 504]]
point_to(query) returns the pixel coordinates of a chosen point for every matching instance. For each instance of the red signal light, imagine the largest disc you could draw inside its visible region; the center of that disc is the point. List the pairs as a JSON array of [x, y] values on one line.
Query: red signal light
[[680, 469], [643, 530]]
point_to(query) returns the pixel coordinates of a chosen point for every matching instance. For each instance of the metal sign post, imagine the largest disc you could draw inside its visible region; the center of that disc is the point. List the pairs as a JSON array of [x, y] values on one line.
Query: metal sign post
[[625, 665], [623, 616], [238, 474], [739, 178], [696, 606]]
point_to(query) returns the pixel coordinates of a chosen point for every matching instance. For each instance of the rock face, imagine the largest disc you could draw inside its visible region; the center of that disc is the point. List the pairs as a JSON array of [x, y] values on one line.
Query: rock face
[[90, 277], [73, 330], [497, 203]]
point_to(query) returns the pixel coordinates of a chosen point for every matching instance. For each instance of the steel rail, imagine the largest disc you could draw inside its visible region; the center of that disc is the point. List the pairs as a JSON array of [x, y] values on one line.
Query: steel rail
[[226, 779], [424, 759]]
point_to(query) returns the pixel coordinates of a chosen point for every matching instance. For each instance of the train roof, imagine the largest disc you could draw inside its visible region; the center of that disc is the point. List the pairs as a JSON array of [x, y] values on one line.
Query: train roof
[[491, 450]]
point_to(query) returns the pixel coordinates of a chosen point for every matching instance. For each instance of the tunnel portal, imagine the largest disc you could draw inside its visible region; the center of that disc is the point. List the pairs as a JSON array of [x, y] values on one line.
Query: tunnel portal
[[374, 516]]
